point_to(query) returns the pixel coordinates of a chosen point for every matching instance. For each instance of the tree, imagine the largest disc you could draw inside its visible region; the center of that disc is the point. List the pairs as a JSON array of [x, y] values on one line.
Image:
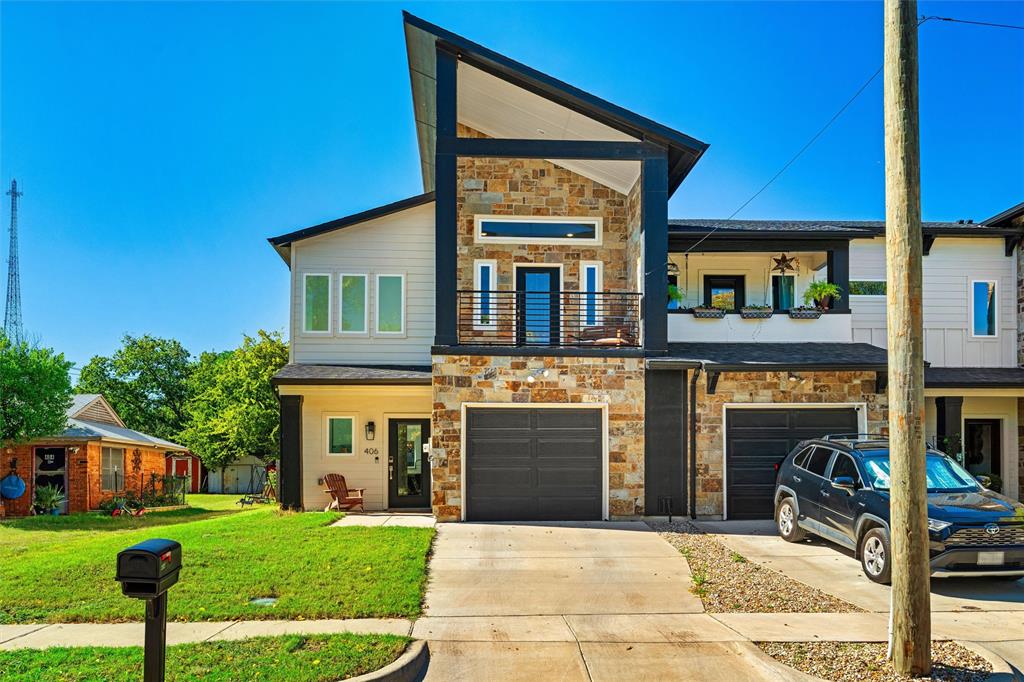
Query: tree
[[233, 411], [35, 392], [146, 381], [910, 641]]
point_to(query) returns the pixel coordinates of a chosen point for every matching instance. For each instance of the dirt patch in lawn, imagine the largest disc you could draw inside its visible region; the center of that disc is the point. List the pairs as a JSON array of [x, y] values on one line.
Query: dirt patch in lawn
[[856, 661], [727, 583]]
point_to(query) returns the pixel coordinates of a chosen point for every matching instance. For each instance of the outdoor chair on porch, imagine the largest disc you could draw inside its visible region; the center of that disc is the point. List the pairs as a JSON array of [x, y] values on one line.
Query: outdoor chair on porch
[[342, 497]]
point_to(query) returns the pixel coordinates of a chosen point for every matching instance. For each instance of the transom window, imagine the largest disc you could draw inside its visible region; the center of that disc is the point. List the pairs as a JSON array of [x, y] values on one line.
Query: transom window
[[538, 230], [316, 310], [341, 435], [983, 308], [112, 470]]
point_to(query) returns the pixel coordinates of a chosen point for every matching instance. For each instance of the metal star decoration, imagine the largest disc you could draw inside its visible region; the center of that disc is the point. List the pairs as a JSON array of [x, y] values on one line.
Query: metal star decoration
[[784, 264]]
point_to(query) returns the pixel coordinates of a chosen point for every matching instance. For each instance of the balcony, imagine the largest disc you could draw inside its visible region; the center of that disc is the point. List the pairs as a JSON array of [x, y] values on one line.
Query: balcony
[[834, 327], [562, 319]]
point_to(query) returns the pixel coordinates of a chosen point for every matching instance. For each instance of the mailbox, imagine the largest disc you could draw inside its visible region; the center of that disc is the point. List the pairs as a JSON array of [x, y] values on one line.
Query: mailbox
[[148, 569]]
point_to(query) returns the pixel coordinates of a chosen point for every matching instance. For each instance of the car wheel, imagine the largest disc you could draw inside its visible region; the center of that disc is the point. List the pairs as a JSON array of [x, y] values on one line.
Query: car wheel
[[875, 556], [785, 521]]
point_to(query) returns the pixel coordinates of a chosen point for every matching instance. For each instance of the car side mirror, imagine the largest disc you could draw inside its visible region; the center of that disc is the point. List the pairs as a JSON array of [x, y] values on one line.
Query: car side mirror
[[985, 481], [845, 483]]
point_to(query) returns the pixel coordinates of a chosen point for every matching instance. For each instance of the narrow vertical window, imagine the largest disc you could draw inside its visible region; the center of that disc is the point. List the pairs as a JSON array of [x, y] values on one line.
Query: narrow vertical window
[[112, 470], [783, 292], [590, 288], [316, 312], [390, 304], [353, 304], [984, 318], [484, 277]]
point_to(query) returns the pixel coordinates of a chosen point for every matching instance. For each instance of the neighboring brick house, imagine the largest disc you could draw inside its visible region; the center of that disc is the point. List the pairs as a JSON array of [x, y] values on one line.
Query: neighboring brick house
[[95, 458], [504, 346]]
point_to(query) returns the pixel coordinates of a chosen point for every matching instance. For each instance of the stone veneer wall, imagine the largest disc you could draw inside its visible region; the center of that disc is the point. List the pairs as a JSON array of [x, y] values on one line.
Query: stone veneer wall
[[619, 382], [770, 387], [524, 187]]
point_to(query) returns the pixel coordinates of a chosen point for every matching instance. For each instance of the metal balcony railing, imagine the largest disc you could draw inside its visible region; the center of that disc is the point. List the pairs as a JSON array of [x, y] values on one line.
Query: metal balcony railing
[[549, 318]]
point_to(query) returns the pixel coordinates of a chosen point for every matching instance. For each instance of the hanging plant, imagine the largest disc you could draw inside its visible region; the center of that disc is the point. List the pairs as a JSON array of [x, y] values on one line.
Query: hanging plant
[[756, 312]]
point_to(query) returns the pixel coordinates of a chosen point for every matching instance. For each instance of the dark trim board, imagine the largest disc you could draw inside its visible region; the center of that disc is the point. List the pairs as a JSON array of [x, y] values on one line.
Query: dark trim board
[[665, 449], [538, 352], [291, 452], [548, 149], [445, 207], [354, 219]]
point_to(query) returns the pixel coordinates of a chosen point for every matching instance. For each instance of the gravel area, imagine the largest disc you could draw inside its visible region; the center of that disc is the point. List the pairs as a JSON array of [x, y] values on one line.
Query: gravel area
[[856, 661], [727, 583]]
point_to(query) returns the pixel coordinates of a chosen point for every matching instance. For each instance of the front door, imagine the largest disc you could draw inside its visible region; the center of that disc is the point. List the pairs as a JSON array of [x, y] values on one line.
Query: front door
[[51, 469], [982, 451], [537, 306], [408, 464]]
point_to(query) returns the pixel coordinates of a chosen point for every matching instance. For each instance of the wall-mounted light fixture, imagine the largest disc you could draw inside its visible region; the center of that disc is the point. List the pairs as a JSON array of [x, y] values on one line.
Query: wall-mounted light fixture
[[371, 430], [73, 450]]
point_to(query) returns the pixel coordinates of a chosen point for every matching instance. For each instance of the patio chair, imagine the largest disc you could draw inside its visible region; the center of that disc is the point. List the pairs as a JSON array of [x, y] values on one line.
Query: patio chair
[[342, 496]]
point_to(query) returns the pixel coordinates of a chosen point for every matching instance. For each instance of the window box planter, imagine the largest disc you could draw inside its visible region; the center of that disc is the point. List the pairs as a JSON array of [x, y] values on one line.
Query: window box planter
[[708, 313], [804, 313], [756, 313]]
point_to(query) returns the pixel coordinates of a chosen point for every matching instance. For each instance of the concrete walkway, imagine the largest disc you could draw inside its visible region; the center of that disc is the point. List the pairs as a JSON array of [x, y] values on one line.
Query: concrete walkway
[[43, 636], [387, 519]]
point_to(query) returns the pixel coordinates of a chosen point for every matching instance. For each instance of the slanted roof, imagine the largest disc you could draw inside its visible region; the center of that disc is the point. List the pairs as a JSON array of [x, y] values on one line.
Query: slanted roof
[[91, 417], [511, 98], [283, 242], [974, 377], [295, 374], [93, 407], [771, 357], [1008, 218]]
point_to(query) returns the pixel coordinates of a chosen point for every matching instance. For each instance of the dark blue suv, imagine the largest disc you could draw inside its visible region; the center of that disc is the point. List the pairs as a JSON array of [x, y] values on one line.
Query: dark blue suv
[[837, 487]]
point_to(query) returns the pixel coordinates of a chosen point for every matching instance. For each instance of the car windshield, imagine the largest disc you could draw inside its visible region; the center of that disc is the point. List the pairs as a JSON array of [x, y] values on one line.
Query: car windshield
[[943, 474]]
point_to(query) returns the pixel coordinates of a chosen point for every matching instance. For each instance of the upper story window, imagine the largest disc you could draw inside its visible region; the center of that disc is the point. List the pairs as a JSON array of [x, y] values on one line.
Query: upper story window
[[727, 292], [984, 317], [538, 230], [783, 292], [391, 304], [867, 287], [484, 278], [590, 286], [316, 310], [354, 304]]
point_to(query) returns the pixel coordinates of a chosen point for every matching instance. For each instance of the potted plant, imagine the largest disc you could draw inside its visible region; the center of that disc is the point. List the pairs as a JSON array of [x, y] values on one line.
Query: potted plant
[[675, 297], [821, 294], [756, 312], [708, 312], [49, 499], [803, 312]]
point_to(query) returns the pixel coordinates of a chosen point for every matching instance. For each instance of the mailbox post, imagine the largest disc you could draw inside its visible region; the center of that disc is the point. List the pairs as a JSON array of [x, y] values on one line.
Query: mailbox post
[[146, 571]]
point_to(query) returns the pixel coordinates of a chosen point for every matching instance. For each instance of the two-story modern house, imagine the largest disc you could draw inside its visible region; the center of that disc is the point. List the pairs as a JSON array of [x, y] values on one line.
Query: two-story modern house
[[526, 339]]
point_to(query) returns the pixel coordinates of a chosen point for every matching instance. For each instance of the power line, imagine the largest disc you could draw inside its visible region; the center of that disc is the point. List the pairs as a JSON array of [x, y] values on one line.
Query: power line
[[814, 138]]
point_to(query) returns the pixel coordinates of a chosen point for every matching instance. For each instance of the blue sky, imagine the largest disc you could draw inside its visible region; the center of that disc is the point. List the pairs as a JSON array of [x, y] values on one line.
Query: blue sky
[[159, 144]]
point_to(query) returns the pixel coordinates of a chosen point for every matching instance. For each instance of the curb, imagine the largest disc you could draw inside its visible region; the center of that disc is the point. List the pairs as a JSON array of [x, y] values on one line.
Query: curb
[[1001, 670], [408, 667], [776, 669]]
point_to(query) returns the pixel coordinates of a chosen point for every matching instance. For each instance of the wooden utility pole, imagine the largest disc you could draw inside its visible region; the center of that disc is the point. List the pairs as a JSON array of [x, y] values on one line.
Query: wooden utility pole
[[910, 643]]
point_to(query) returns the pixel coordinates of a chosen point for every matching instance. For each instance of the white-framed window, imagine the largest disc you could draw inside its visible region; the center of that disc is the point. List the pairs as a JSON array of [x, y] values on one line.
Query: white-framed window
[[354, 295], [591, 285], [112, 470], [506, 229], [340, 435], [390, 305], [316, 303], [868, 287], [984, 313], [485, 303]]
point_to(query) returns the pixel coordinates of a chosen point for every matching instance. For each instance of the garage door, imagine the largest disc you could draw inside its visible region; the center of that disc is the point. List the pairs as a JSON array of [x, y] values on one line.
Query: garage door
[[756, 440], [533, 464]]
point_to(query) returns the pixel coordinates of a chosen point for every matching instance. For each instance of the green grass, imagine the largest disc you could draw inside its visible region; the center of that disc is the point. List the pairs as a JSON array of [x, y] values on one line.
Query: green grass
[[61, 569], [293, 658]]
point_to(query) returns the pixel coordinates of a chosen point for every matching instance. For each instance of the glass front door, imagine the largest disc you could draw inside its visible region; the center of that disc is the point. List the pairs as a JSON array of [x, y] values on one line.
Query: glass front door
[[982, 451], [51, 469], [408, 463], [537, 306]]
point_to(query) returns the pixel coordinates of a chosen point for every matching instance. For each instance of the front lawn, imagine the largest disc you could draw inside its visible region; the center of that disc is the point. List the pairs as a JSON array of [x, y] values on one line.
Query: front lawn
[[61, 569], [293, 658]]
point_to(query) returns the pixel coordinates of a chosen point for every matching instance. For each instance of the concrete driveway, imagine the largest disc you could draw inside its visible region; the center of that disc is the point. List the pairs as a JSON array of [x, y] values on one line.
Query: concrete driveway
[[580, 601]]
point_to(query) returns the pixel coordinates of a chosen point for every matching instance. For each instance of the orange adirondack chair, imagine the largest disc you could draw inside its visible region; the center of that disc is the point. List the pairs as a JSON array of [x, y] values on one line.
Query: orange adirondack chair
[[342, 496]]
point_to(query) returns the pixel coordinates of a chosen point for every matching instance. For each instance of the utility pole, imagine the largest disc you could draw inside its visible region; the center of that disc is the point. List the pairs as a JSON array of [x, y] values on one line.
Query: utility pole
[[12, 310], [910, 636]]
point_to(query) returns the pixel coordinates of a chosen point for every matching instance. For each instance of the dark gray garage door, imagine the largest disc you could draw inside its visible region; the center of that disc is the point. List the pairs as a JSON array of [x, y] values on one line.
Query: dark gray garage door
[[533, 464], [756, 440]]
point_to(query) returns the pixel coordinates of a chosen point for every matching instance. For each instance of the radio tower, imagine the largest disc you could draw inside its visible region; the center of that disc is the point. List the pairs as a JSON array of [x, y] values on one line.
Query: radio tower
[[12, 312]]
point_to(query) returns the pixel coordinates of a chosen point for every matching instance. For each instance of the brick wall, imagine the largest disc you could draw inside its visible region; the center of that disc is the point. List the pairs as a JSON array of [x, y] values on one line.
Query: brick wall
[[83, 474], [619, 382], [770, 387]]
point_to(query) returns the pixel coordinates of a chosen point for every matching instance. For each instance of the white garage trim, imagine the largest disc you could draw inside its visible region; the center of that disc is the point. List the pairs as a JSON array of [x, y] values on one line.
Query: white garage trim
[[862, 427], [463, 468]]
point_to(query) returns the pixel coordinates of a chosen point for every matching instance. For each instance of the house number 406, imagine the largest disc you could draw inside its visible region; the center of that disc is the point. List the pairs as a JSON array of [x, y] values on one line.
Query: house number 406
[[370, 451]]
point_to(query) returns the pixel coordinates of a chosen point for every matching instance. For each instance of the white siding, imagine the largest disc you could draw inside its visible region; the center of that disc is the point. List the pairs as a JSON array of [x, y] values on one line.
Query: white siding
[[401, 243], [948, 271]]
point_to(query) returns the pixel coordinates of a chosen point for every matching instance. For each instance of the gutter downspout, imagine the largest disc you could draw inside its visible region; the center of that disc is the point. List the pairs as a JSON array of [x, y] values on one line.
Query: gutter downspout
[[693, 439]]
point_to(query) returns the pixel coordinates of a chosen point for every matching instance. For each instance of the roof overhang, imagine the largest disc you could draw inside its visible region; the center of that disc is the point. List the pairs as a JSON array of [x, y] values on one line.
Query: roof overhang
[[1007, 217], [352, 375], [422, 39]]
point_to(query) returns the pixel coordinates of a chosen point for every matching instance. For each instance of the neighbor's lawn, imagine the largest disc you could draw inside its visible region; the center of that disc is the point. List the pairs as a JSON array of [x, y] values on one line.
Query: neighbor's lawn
[[293, 658], [61, 569]]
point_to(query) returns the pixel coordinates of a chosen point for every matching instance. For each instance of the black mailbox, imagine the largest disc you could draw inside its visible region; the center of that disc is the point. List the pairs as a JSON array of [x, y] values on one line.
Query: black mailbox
[[148, 569]]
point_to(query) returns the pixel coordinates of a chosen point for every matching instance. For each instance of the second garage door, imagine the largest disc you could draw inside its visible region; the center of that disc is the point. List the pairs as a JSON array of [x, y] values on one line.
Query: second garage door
[[757, 439], [534, 464]]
